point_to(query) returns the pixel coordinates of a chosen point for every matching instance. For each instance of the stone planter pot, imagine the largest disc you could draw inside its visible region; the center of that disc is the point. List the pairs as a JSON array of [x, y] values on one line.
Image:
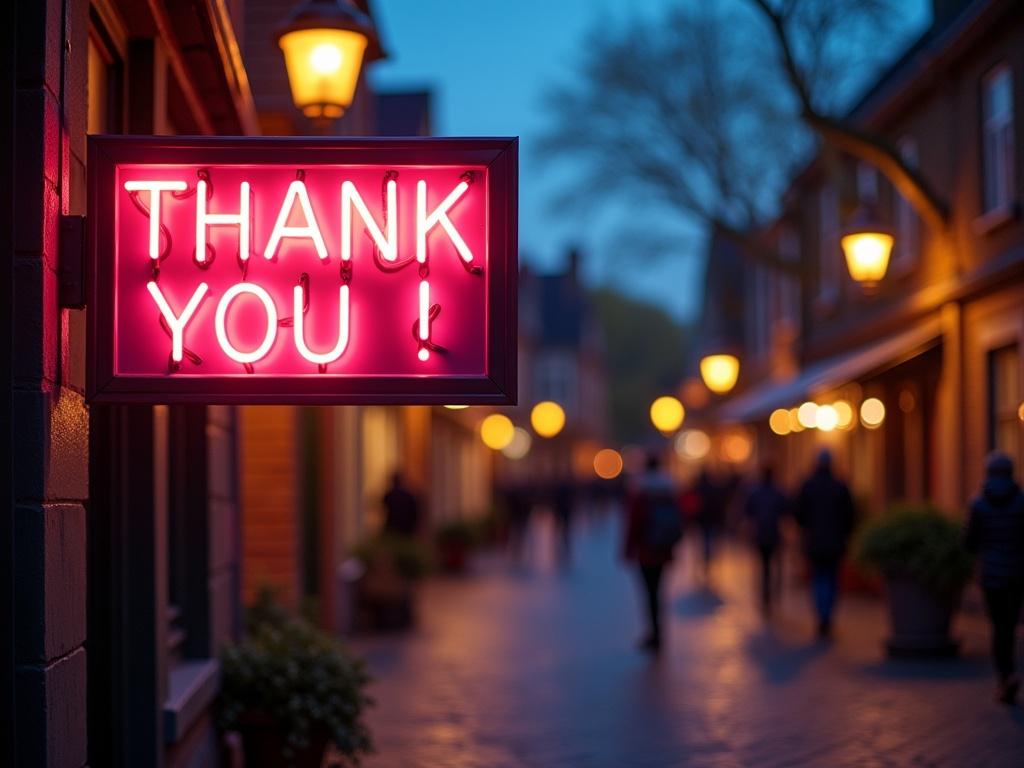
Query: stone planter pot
[[263, 744], [919, 618]]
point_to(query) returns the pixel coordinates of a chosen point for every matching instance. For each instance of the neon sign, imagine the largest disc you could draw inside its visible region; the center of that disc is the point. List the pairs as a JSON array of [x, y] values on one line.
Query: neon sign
[[302, 270]]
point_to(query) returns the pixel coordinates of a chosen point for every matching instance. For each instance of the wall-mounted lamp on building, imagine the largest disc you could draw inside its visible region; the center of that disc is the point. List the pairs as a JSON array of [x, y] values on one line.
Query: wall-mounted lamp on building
[[324, 42], [720, 372], [867, 245]]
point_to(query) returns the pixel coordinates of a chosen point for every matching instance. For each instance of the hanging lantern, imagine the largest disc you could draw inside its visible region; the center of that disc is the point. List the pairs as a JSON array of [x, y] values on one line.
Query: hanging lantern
[[324, 42], [867, 245]]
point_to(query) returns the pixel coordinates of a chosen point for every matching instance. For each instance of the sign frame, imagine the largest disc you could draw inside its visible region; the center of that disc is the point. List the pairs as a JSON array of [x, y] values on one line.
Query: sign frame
[[496, 387]]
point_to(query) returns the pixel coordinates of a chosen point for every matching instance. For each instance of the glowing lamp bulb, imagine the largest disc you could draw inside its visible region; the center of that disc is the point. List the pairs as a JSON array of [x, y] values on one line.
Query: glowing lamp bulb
[[547, 418], [720, 372], [497, 431], [667, 414], [325, 59]]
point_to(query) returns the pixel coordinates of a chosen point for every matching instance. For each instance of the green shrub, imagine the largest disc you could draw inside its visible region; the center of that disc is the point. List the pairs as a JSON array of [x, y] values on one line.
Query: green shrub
[[918, 542], [297, 675], [409, 555], [458, 532]]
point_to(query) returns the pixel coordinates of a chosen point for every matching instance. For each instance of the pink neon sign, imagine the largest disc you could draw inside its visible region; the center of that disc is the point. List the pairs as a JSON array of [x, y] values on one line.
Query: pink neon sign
[[314, 270]]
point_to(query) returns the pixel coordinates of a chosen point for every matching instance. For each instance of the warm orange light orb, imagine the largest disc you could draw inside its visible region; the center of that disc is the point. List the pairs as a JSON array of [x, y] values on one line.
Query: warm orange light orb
[[867, 256], [497, 431], [456, 407], [826, 418], [844, 414], [794, 421], [872, 413], [780, 422], [720, 372], [323, 69], [607, 464], [667, 414], [547, 418], [736, 447]]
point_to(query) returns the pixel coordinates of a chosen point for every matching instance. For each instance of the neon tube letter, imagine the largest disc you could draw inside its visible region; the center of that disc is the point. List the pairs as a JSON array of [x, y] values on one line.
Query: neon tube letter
[[220, 323], [177, 323], [204, 220], [311, 230], [425, 222], [388, 245], [155, 188], [299, 321]]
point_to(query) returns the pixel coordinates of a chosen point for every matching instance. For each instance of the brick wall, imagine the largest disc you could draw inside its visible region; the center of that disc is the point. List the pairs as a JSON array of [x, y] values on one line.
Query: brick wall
[[268, 438], [50, 419]]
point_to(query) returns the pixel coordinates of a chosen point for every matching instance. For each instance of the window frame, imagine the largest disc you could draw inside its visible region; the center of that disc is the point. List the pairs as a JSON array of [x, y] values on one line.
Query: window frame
[[998, 203]]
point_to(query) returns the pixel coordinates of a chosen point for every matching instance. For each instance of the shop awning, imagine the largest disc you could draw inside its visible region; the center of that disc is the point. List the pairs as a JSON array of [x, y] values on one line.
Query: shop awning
[[831, 373]]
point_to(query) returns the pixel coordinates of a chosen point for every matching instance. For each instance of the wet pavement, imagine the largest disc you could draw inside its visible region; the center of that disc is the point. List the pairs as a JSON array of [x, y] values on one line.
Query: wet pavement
[[535, 667]]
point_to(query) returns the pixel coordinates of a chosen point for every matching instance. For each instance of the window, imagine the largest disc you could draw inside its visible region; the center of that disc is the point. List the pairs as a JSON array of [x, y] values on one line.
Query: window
[[908, 227], [997, 138], [1004, 400], [867, 183], [828, 245], [789, 285]]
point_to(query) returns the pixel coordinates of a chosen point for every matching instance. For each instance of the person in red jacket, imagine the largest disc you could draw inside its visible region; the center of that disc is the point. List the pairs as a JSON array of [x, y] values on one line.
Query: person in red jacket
[[654, 525]]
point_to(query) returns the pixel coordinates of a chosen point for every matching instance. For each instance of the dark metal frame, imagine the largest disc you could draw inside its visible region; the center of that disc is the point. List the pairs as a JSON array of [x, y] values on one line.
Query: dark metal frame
[[497, 386]]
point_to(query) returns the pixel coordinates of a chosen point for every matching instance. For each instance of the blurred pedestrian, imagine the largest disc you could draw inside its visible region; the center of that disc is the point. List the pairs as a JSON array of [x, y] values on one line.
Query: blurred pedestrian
[[765, 508], [563, 499], [824, 510], [711, 498], [654, 526], [402, 509], [995, 530]]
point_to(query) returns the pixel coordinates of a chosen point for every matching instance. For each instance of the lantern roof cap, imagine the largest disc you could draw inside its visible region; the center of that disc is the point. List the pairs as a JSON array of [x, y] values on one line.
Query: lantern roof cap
[[333, 14]]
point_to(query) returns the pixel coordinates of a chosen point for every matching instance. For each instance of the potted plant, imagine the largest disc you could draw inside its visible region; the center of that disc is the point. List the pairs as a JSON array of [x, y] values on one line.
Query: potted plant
[[454, 540], [385, 592], [918, 550], [291, 690]]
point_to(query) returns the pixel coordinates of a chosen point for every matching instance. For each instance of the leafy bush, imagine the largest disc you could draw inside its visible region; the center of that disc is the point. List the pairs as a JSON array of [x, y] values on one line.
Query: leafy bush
[[918, 542], [458, 532], [409, 556], [298, 676]]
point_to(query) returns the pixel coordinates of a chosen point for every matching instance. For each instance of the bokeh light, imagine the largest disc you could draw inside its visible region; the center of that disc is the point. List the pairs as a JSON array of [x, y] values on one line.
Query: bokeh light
[[497, 431], [547, 418], [826, 418], [693, 444], [736, 447], [780, 422], [807, 415], [667, 414], [872, 413], [844, 414], [607, 464], [519, 446], [456, 407]]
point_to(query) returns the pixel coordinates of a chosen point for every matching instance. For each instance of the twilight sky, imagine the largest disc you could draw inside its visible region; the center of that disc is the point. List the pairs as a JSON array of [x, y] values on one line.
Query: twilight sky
[[489, 63]]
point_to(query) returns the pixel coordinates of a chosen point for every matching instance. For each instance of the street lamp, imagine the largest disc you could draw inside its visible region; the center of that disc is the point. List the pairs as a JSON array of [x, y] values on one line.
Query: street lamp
[[323, 43], [867, 246], [720, 372]]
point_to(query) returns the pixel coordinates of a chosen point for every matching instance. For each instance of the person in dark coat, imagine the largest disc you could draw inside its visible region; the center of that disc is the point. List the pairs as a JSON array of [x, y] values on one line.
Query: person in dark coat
[[402, 509], [995, 530], [765, 507], [650, 538], [824, 509], [710, 515]]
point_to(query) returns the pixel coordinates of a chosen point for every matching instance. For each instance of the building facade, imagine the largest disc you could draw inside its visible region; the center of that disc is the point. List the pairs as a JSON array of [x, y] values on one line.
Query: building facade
[[939, 341]]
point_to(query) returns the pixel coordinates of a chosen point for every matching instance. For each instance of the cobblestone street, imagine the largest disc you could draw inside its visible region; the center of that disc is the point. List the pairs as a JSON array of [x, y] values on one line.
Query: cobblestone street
[[535, 667]]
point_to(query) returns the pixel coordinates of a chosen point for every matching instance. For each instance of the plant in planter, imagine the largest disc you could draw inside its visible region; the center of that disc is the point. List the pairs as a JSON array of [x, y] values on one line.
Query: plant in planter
[[919, 551], [454, 540], [392, 566], [290, 690]]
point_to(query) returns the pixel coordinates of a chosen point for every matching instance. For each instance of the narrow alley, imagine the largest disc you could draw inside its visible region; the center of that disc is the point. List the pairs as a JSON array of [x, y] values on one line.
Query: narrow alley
[[535, 667]]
